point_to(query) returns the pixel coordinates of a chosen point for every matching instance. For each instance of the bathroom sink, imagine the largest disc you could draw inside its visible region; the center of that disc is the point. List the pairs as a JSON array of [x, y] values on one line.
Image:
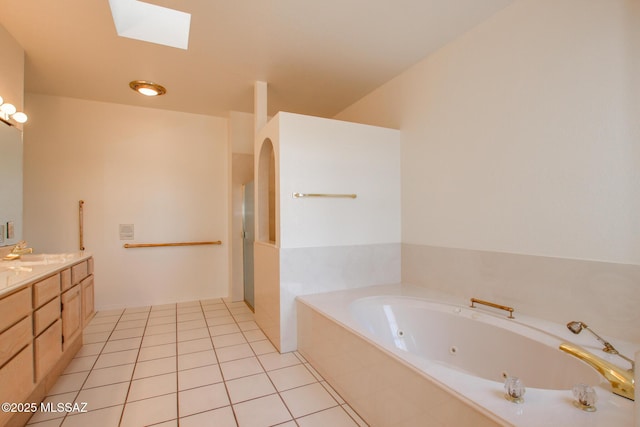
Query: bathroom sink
[[42, 259]]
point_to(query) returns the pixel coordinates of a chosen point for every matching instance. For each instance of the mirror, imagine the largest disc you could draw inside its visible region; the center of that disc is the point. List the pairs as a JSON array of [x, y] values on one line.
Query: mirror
[[10, 185]]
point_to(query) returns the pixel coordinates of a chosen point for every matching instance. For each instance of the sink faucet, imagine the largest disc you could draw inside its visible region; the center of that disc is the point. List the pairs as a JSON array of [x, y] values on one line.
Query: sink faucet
[[621, 380], [19, 249]]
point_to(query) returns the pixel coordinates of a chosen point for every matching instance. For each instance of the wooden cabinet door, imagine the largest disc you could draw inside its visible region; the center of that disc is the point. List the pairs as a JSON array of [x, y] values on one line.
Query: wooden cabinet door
[[87, 300], [71, 315], [48, 350]]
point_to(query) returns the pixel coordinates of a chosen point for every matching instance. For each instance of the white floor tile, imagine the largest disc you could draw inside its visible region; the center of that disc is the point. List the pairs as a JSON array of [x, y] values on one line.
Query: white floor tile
[[107, 417], [240, 368], [68, 383], [305, 400], [54, 400], [193, 334], [262, 412], [118, 358], [152, 386], [196, 360], [161, 320], [202, 399], [159, 339], [160, 329], [131, 324], [192, 324], [157, 352], [50, 423], [273, 361], [255, 335], [81, 364], [234, 352], [293, 376], [112, 375], [231, 328], [227, 340], [221, 417], [90, 349], [120, 345], [103, 397], [197, 377], [95, 338], [250, 387], [262, 347], [248, 326], [222, 320], [334, 417], [153, 367], [149, 411], [359, 421], [194, 346], [190, 316]]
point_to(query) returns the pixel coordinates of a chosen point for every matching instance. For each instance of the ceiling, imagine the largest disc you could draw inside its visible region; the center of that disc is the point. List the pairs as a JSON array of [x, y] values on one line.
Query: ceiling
[[318, 57]]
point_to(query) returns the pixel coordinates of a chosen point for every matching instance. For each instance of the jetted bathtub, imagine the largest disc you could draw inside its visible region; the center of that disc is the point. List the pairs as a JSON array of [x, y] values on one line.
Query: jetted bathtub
[[403, 356]]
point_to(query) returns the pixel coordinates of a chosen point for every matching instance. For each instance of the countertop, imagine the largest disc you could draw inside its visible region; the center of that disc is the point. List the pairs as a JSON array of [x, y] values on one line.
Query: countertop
[[31, 267]]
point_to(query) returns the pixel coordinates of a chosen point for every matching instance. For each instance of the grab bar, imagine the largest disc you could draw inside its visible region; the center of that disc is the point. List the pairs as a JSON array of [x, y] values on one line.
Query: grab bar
[[155, 245], [81, 223], [494, 305], [346, 196]]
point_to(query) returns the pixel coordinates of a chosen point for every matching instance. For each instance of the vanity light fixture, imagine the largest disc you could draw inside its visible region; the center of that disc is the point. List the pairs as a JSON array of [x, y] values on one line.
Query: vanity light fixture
[[147, 88], [9, 112]]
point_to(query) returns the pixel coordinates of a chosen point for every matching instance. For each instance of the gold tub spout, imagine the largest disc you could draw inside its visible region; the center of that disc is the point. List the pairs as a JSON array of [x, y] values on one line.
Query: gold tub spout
[[621, 380]]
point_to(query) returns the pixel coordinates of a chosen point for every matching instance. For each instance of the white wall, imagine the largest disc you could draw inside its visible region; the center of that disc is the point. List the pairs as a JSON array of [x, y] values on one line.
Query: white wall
[[522, 135], [329, 156], [165, 172]]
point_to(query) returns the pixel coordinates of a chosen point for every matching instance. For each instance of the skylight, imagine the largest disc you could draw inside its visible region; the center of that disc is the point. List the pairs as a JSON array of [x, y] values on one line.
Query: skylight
[[151, 23]]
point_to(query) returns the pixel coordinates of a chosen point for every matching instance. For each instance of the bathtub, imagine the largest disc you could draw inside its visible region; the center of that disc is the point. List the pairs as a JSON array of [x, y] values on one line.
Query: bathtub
[[401, 355]]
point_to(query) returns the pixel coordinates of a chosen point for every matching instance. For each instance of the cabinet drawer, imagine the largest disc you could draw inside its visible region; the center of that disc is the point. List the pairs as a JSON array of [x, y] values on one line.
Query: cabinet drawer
[[46, 315], [14, 307], [45, 290], [79, 272], [16, 377], [65, 279], [14, 339], [48, 349]]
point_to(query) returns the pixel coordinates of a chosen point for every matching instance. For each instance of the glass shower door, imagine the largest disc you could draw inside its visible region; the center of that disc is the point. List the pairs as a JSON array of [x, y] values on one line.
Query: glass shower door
[[248, 236]]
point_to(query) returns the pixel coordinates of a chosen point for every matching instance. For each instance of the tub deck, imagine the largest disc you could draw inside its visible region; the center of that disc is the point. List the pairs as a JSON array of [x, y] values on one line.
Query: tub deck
[[387, 388]]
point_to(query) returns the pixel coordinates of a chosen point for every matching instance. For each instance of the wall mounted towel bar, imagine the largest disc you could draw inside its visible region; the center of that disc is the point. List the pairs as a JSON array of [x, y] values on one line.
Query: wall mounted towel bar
[[344, 196], [155, 245]]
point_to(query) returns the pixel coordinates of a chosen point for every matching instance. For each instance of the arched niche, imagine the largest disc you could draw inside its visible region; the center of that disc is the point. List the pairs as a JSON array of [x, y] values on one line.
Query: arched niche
[[266, 193]]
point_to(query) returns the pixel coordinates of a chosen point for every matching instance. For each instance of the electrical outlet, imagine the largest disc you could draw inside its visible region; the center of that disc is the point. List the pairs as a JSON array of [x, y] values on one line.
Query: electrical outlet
[[126, 231]]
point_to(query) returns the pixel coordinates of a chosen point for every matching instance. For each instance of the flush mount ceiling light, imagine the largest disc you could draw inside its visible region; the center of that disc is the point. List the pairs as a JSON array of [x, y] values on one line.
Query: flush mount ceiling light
[[147, 88]]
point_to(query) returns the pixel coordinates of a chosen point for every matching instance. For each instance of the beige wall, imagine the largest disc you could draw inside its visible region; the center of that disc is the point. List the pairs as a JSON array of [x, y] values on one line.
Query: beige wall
[[165, 172], [11, 70], [521, 162], [522, 135]]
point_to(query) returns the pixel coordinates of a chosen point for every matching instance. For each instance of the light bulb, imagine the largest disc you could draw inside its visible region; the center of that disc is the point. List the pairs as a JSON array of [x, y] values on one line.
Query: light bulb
[[20, 117], [8, 109], [147, 91]]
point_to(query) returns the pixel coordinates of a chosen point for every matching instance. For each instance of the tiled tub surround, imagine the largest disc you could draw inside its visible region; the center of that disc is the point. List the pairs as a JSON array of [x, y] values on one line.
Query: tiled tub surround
[[202, 363], [289, 272], [390, 387], [606, 296]]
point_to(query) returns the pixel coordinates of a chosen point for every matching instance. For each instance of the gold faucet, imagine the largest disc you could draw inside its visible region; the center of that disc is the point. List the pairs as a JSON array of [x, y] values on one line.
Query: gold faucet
[[622, 382], [19, 249]]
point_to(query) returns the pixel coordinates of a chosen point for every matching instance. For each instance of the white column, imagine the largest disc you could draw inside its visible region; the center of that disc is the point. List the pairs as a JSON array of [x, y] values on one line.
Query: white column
[[259, 105]]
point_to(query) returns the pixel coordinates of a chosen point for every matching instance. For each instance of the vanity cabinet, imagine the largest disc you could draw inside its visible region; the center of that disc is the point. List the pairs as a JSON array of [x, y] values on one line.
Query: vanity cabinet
[[41, 326]]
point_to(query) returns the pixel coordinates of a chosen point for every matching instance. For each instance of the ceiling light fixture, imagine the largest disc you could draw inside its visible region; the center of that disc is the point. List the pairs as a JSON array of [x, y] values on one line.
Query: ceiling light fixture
[[9, 112], [147, 88]]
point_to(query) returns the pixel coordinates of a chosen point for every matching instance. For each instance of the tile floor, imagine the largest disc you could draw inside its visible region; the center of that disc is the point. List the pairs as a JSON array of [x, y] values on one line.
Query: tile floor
[[201, 363]]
